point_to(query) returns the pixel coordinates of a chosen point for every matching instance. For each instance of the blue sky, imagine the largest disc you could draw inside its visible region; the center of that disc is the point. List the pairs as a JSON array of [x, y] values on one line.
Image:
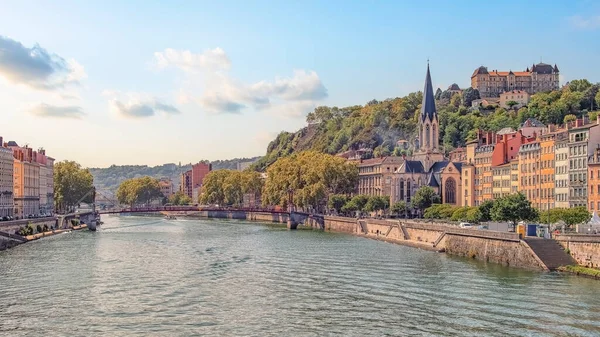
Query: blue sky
[[149, 82]]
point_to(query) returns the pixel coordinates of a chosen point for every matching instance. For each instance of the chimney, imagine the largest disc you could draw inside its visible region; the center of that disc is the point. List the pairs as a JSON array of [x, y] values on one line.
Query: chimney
[[586, 119], [578, 122]]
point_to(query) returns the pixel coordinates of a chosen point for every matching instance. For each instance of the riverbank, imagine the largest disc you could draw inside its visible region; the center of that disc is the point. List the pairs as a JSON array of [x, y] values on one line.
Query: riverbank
[[498, 247], [11, 240], [581, 271]]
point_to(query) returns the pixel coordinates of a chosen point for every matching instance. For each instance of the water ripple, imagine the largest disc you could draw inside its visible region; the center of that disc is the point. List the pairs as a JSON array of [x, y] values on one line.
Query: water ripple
[[153, 277]]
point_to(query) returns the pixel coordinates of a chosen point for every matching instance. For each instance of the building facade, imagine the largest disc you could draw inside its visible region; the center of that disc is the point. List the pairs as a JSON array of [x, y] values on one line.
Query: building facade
[[541, 77], [520, 97], [375, 175], [166, 187], [548, 175], [529, 173], [581, 135], [594, 181], [6, 181], [561, 169], [185, 185], [501, 180], [26, 176]]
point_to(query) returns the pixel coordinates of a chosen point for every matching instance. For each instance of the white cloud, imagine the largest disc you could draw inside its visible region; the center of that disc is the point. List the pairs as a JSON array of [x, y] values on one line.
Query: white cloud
[[47, 110], [35, 67], [585, 23], [221, 93], [137, 105], [214, 59]]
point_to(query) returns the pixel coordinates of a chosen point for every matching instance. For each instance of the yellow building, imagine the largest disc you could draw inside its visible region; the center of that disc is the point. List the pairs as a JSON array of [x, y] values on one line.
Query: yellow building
[[501, 180], [483, 174], [530, 172], [520, 97], [468, 179], [514, 175]]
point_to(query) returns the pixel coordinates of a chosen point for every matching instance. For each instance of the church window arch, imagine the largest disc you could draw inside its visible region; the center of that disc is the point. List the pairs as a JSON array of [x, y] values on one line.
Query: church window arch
[[450, 191], [427, 136]]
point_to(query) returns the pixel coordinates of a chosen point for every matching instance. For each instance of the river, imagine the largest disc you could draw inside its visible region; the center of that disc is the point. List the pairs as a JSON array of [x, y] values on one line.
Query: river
[[156, 277]]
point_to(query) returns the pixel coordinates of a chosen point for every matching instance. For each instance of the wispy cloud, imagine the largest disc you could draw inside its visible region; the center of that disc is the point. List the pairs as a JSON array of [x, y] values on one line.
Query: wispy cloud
[[36, 67], [292, 96], [47, 110], [585, 23], [188, 61], [137, 105]]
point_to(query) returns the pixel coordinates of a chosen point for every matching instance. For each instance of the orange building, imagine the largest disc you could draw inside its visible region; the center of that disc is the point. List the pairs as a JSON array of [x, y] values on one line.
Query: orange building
[[594, 181], [547, 170], [530, 172]]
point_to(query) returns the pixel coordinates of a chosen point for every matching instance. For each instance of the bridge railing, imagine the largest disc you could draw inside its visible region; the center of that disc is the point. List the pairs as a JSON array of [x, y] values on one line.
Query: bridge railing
[[189, 208]]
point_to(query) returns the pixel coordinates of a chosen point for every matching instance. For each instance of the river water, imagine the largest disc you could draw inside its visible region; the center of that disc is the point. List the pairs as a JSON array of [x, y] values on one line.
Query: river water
[[155, 277]]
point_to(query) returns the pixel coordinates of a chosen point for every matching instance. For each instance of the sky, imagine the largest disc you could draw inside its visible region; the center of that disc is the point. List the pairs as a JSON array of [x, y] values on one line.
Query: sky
[[153, 82]]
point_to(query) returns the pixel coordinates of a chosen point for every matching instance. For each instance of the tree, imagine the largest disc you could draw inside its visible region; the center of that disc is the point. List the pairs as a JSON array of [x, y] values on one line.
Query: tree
[[438, 94], [439, 211], [178, 198], [360, 201], [569, 118], [374, 204], [598, 99], [511, 104], [485, 210], [456, 101], [513, 208], [460, 214], [399, 208], [575, 215], [469, 95], [72, 184], [337, 202], [425, 197], [139, 191], [309, 177], [579, 85], [474, 215]]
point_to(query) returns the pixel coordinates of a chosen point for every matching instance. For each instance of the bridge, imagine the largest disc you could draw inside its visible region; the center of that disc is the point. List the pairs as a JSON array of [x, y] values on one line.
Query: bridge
[[164, 209]]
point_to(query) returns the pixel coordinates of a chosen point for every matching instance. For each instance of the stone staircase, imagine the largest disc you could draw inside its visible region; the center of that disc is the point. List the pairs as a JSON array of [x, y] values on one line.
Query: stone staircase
[[550, 252], [363, 227]]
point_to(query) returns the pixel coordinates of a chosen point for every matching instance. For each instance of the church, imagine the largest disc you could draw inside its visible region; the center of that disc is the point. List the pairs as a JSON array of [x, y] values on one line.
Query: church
[[427, 166]]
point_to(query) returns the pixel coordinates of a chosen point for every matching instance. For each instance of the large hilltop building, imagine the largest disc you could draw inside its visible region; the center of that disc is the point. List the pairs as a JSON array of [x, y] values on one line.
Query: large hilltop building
[[540, 77]]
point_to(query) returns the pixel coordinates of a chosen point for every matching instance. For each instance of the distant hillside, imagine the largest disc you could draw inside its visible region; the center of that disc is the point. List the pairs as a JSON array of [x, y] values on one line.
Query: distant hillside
[[108, 179]]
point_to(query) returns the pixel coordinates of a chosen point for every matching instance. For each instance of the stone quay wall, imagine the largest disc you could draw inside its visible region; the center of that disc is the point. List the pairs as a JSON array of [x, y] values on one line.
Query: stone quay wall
[[498, 247], [13, 226], [584, 248]]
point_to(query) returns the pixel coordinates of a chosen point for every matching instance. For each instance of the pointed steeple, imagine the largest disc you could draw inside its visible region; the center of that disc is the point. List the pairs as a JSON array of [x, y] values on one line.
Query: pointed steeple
[[555, 68], [428, 105]]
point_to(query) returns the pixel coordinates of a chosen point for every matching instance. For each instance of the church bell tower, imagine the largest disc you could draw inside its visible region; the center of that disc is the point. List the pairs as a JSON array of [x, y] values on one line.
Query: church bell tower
[[429, 150]]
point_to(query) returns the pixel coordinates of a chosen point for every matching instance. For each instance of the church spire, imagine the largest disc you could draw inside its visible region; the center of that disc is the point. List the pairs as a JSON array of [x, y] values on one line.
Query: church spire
[[428, 105]]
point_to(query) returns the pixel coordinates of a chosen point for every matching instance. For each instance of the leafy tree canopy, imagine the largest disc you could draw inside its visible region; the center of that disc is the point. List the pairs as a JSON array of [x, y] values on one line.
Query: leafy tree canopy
[[71, 184]]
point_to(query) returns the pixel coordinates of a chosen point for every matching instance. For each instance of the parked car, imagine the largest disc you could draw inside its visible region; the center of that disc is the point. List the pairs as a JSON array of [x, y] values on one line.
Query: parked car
[[465, 225]]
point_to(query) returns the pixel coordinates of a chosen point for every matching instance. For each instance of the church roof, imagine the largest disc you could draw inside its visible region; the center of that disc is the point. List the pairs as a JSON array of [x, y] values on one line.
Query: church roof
[[438, 166], [431, 181], [428, 105], [555, 68], [414, 166], [458, 166]]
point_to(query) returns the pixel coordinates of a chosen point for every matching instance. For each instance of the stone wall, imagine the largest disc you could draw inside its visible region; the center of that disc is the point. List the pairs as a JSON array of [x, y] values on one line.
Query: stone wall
[[13, 226], [585, 249], [342, 225], [243, 215]]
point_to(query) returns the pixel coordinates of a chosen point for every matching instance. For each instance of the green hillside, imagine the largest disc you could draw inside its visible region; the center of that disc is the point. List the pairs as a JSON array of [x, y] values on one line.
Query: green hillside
[[378, 125]]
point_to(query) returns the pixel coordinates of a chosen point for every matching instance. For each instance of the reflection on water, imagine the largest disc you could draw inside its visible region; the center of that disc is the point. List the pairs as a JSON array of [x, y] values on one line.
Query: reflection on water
[[149, 276]]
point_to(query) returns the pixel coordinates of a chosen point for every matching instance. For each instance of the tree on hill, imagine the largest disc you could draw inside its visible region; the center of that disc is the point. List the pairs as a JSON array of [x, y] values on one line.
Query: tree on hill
[[438, 94], [71, 184], [469, 95], [424, 198], [513, 208], [598, 99], [569, 118], [511, 104]]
